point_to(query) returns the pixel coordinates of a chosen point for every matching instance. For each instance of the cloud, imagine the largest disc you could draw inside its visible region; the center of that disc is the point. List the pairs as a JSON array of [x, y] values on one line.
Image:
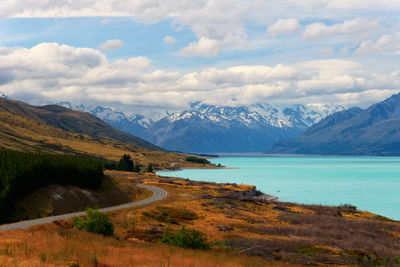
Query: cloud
[[330, 64], [54, 72], [318, 31], [363, 4], [111, 45], [169, 40], [206, 47], [220, 25], [283, 26], [388, 44]]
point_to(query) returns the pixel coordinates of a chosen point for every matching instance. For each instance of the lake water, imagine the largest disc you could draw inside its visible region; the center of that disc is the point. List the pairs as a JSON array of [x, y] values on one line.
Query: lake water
[[370, 183]]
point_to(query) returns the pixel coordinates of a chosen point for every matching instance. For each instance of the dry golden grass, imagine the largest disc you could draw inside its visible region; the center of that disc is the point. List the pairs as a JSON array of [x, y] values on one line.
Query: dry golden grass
[[242, 233], [23, 134], [275, 230], [55, 245]]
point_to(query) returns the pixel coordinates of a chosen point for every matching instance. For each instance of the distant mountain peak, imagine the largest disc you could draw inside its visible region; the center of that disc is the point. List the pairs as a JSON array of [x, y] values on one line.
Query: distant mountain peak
[[216, 128], [373, 131], [3, 95]]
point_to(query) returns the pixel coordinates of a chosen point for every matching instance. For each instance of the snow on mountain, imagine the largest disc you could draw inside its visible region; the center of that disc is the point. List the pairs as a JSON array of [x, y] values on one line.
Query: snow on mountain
[[211, 129], [373, 131], [302, 116], [254, 128], [131, 123], [2, 95]]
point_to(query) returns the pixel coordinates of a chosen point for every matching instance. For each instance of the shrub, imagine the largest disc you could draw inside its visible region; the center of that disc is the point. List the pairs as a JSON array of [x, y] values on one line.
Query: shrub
[[197, 160], [347, 207], [96, 222], [186, 238], [171, 215]]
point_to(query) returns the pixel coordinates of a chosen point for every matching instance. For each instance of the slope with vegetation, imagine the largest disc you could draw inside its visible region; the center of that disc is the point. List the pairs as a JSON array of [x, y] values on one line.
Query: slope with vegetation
[[21, 173], [223, 224], [374, 131], [62, 131], [72, 121]]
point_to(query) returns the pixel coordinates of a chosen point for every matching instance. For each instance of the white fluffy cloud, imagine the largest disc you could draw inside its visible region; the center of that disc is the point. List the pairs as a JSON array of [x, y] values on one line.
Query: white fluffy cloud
[[388, 44], [111, 45], [219, 25], [283, 26], [352, 27], [54, 72]]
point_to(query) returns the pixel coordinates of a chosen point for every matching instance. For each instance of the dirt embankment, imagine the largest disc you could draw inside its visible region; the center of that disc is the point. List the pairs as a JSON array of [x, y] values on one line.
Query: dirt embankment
[[61, 199]]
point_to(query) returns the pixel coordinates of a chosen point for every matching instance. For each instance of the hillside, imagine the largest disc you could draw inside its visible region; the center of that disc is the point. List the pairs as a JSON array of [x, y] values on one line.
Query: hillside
[[58, 199], [72, 121], [26, 128], [373, 131]]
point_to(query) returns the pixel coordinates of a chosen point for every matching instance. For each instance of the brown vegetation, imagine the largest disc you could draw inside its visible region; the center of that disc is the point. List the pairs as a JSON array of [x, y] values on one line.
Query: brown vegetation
[[25, 134], [243, 228]]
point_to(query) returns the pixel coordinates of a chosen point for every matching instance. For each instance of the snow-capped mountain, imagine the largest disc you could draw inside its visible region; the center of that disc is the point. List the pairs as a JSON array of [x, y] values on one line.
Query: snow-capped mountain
[[211, 129], [2, 95], [131, 123], [294, 116], [254, 128], [372, 131]]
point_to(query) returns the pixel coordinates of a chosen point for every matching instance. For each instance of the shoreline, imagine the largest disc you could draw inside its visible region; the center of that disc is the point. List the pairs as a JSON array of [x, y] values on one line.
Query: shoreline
[[208, 168]]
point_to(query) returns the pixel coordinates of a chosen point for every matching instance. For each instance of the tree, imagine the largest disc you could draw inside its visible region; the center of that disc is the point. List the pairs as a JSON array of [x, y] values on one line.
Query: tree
[[126, 163], [137, 167], [150, 168]]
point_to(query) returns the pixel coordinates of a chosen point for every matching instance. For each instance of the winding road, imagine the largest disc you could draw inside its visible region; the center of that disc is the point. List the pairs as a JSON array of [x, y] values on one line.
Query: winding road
[[158, 194]]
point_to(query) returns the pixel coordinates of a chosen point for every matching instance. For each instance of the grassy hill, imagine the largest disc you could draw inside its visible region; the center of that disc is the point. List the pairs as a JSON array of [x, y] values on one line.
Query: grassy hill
[[72, 121], [59, 130]]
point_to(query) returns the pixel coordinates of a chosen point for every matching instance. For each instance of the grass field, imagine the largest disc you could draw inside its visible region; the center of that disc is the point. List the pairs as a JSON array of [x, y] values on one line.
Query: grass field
[[242, 228]]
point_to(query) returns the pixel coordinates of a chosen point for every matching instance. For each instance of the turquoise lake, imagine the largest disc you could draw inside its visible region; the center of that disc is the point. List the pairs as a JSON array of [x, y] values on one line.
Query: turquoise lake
[[370, 183]]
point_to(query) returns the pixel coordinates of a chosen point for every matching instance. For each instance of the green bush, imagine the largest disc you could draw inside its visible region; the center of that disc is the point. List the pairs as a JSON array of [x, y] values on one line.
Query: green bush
[[186, 238], [197, 160], [96, 222]]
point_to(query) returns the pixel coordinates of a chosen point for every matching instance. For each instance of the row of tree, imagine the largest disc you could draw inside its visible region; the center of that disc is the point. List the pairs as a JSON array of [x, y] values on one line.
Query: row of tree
[[126, 164], [21, 173]]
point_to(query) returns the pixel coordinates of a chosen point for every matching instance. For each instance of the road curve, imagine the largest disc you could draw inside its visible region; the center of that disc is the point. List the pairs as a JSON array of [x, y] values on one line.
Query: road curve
[[158, 194]]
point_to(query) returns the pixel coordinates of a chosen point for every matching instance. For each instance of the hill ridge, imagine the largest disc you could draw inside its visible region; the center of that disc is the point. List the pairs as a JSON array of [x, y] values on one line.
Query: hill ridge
[[373, 131]]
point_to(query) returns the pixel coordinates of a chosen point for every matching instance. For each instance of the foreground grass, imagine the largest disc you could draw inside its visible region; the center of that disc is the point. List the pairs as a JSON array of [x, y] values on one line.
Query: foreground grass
[[235, 217], [242, 228], [52, 245]]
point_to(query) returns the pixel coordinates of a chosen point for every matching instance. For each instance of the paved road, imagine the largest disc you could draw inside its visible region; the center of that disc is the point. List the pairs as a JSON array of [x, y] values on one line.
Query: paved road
[[158, 194]]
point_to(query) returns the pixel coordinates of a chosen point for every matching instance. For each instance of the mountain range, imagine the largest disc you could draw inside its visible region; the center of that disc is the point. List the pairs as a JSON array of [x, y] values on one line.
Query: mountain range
[[296, 129], [373, 131], [212, 129]]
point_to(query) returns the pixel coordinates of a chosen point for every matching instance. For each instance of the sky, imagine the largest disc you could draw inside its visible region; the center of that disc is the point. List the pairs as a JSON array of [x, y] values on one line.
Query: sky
[[137, 55]]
